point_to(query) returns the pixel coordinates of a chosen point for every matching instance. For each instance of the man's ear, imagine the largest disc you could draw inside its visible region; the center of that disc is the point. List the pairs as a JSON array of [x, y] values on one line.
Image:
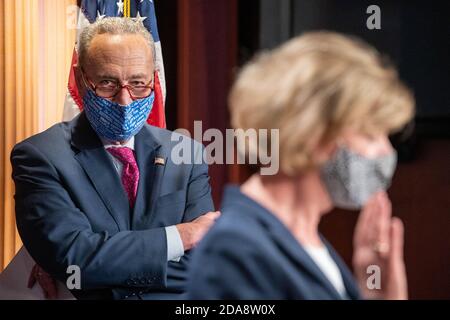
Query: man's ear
[[155, 74], [81, 86]]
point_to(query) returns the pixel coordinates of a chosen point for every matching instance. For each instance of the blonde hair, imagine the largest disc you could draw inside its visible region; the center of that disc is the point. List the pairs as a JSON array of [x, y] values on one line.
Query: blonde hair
[[312, 89], [112, 25]]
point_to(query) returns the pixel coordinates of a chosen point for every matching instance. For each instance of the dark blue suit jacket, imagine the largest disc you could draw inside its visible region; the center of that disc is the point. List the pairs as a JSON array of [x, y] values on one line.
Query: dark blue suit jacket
[[250, 254], [71, 209]]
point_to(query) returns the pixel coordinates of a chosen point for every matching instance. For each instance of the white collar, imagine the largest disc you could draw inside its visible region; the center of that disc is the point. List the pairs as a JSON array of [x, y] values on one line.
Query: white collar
[[108, 144]]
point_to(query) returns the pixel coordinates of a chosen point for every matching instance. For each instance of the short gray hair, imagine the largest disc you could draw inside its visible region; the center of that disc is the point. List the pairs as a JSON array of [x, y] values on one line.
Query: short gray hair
[[112, 25]]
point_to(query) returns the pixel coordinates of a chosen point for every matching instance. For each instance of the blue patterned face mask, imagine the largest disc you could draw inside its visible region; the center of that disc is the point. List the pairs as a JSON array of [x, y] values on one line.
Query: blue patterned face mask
[[114, 122]]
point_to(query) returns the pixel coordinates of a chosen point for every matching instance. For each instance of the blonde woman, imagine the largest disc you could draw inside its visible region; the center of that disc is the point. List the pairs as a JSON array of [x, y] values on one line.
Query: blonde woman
[[334, 102]]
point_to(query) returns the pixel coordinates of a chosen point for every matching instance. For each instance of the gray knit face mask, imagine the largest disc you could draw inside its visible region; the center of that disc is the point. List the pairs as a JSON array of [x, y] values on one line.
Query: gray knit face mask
[[351, 179]]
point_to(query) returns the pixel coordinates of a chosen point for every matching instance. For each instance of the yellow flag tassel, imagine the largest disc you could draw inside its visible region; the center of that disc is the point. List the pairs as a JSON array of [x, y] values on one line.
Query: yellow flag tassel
[[127, 9]]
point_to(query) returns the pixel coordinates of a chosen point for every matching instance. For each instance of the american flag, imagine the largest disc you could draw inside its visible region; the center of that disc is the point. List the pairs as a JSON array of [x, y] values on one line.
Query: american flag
[[91, 10]]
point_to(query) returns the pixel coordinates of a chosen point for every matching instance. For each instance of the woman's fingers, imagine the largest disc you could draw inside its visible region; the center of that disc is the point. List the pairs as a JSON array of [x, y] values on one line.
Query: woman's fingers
[[382, 226], [364, 226], [398, 286], [397, 239]]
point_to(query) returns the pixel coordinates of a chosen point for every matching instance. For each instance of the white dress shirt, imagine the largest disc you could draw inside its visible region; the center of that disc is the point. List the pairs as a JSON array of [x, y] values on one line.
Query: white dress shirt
[[328, 266], [175, 248]]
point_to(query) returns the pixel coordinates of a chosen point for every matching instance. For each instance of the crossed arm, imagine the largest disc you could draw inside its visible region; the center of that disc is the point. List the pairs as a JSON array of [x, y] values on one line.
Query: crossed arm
[[57, 234]]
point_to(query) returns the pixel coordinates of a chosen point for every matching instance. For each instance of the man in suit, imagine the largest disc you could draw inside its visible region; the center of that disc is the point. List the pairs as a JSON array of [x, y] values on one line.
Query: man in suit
[[101, 192]]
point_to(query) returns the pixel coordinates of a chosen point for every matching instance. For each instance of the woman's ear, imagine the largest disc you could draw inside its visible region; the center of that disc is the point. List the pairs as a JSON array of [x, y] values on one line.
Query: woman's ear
[[325, 152], [370, 146]]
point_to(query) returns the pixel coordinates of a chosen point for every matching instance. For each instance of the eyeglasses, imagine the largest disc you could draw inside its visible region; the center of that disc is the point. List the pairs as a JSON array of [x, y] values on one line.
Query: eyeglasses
[[110, 88]]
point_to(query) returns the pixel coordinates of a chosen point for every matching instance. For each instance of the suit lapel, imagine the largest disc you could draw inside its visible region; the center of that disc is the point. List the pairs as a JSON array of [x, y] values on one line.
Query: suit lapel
[[100, 169], [147, 148], [304, 260], [289, 244]]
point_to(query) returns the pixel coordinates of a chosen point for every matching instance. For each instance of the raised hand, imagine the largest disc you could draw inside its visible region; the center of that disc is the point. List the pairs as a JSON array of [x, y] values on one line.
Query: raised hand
[[378, 241]]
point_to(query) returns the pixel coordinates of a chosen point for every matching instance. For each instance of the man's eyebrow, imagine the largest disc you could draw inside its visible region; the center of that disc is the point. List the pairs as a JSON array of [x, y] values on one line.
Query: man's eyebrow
[[138, 76], [107, 76], [134, 76]]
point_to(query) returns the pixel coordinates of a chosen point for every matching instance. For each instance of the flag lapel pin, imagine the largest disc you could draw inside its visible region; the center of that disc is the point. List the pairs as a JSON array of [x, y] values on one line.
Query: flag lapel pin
[[160, 161]]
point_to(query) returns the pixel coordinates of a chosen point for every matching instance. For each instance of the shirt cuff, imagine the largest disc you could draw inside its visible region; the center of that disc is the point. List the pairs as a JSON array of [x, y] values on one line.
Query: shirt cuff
[[175, 248]]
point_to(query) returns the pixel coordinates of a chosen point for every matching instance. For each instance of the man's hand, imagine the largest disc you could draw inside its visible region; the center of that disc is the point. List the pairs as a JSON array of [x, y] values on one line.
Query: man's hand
[[46, 282], [378, 240], [192, 232]]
